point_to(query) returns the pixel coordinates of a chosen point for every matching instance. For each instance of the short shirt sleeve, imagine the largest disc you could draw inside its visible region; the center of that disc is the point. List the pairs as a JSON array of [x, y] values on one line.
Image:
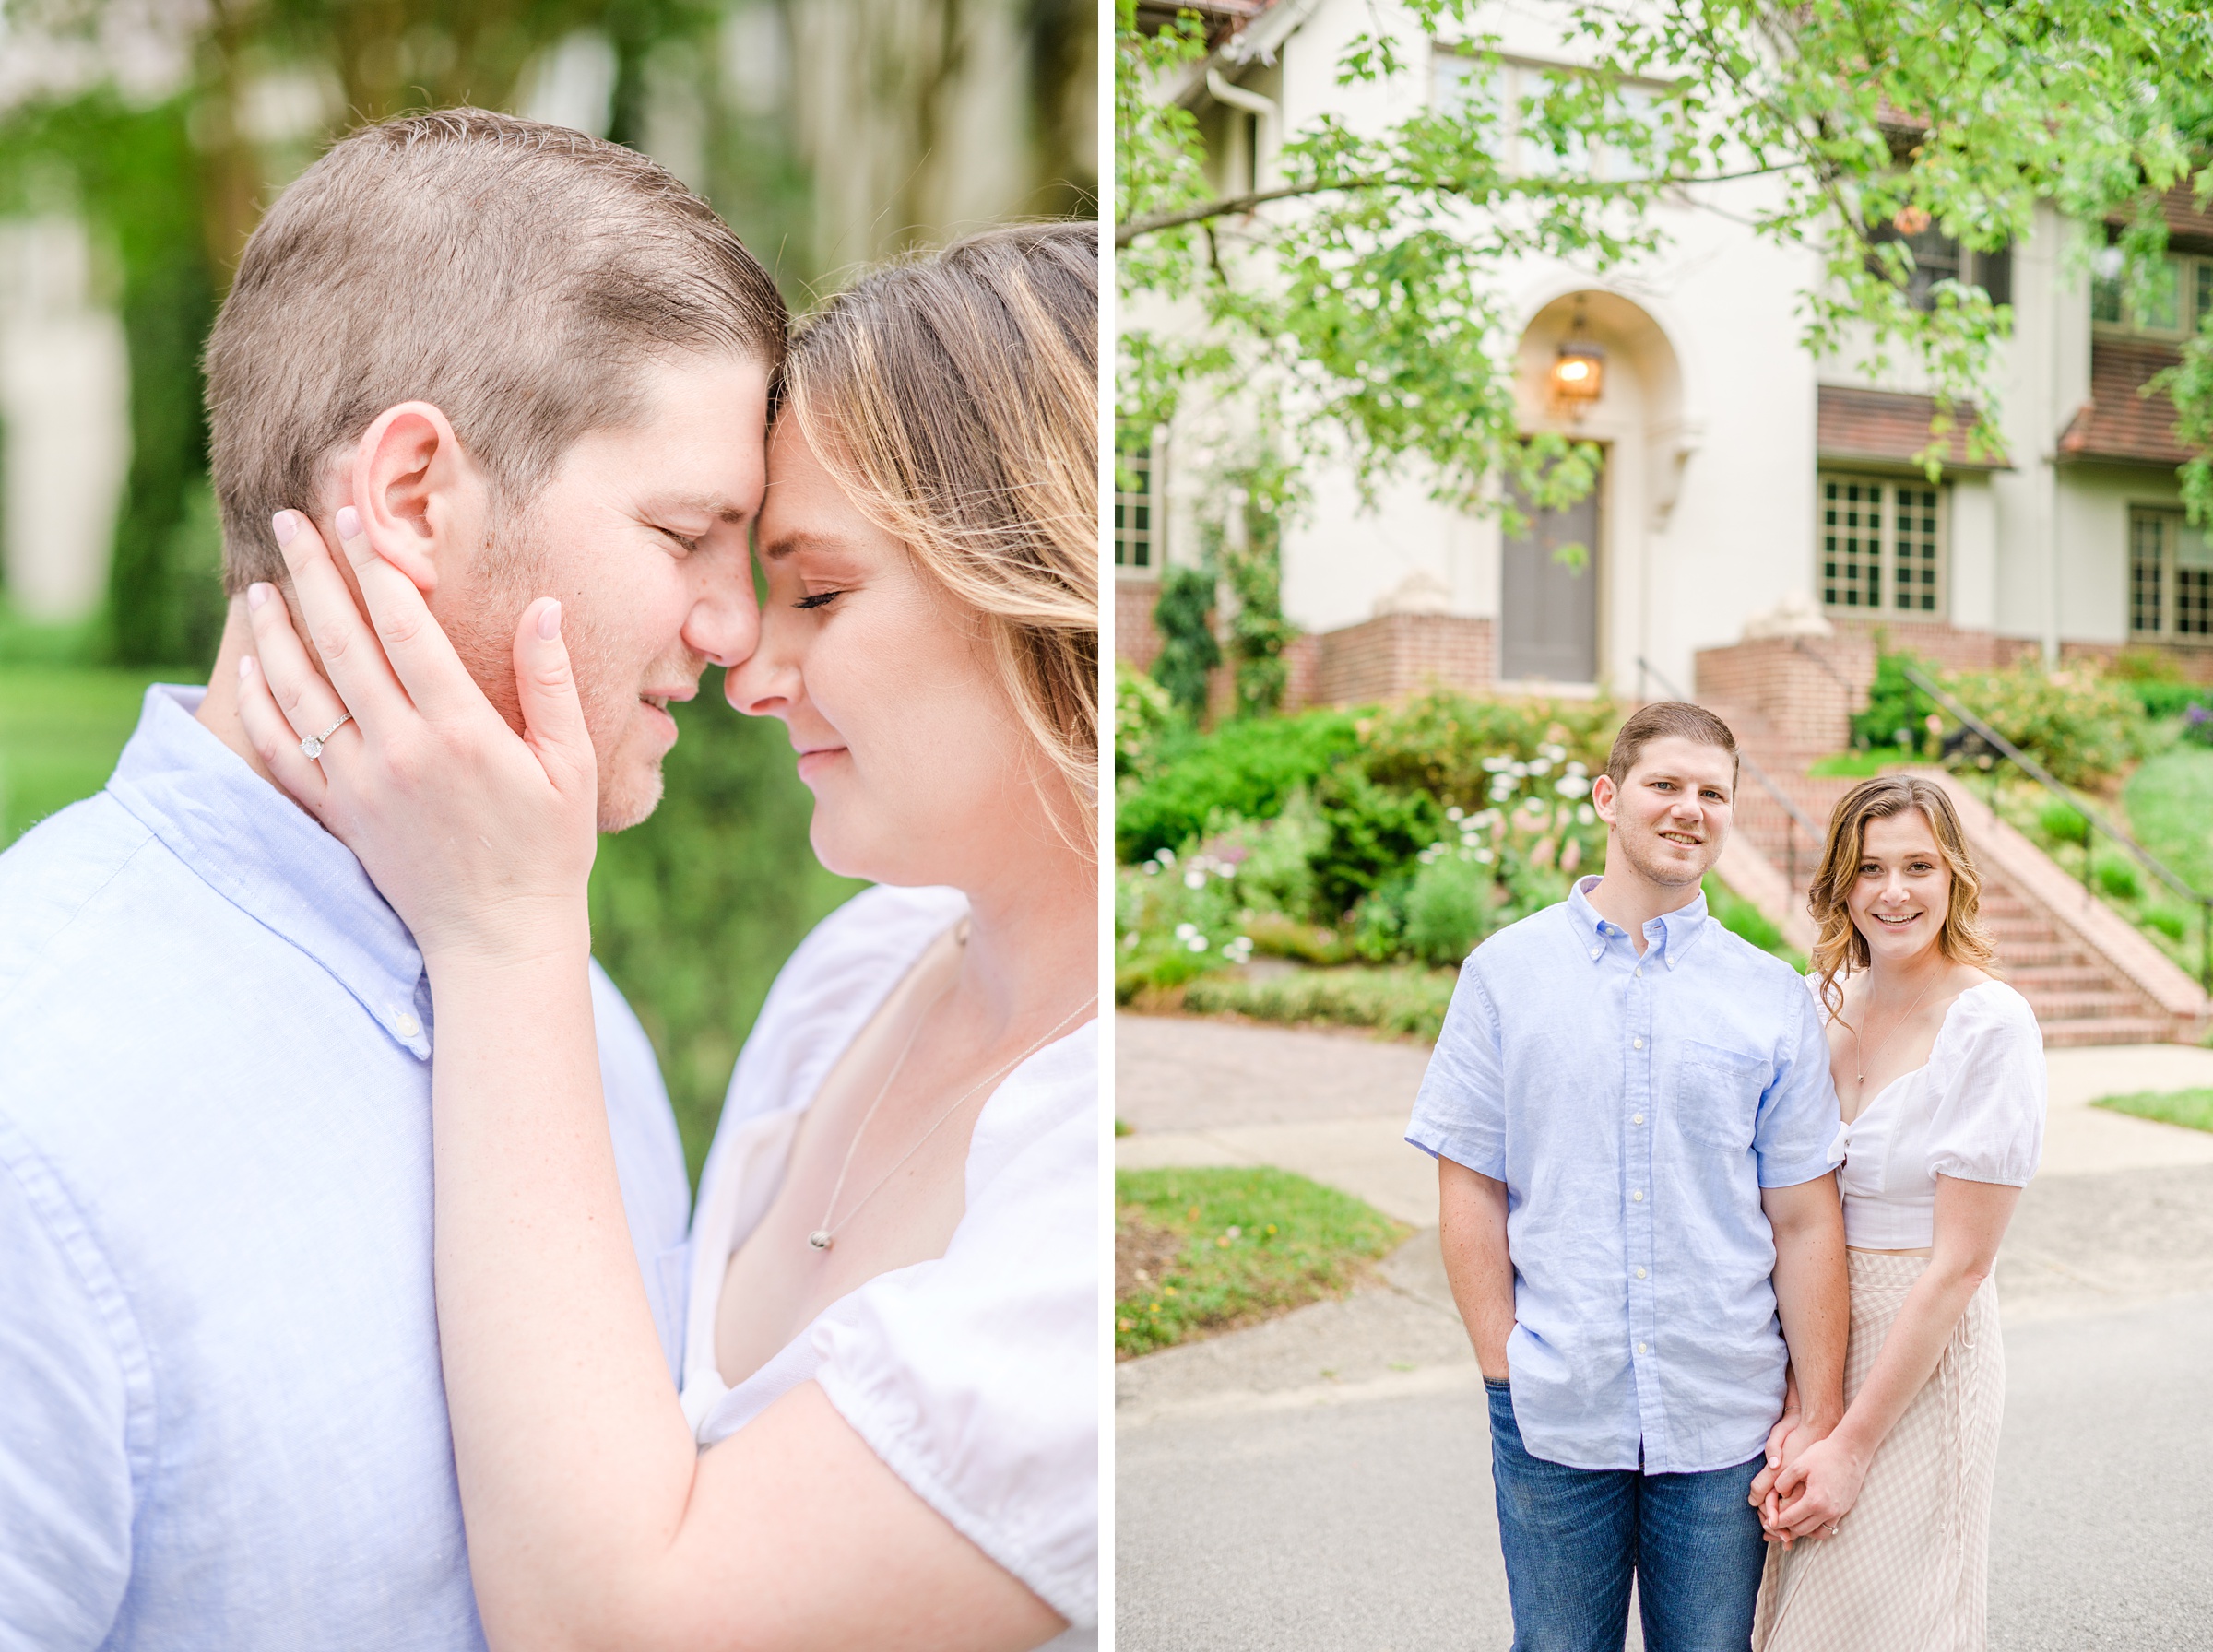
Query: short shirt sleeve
[[1988, 1121], [1795, 1139], [66, 1490], [1460, 1111], [976, 1377]]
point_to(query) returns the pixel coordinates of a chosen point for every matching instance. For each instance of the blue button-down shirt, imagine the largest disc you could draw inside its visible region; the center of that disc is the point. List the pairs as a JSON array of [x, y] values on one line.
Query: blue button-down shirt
[[222, 1418], [1634, 1107]]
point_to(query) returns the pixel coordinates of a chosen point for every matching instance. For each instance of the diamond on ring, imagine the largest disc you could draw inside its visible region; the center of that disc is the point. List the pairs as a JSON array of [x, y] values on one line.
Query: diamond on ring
[[312, 747]]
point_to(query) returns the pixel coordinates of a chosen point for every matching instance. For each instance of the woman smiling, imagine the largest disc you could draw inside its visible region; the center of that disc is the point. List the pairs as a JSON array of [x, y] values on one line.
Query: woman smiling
[[1940, 1074], [887, 1434]]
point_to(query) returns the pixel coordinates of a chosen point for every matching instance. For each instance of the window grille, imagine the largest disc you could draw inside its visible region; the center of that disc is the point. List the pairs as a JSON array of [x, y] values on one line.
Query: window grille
[[1134, 538], [1882, 547], [2169, 577]]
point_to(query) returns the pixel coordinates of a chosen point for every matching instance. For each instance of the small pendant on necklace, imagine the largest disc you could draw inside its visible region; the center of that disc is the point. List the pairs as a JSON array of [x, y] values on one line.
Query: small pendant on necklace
[[820, 1239]]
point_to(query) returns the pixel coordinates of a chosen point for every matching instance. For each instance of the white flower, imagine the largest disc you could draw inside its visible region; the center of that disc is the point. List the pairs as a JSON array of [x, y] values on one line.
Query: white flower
[[1542, 766], [1194, 879], [1484, 855], [1196, 943], [1571, 786], [1130, 941], [1492, 765], [1152, 868], [1533, 807], [1454, 814], [1226, 868], [1184, 931], [1518, 771], [1577, 770], [1167, 857], [1552, 753], [1586, 814]]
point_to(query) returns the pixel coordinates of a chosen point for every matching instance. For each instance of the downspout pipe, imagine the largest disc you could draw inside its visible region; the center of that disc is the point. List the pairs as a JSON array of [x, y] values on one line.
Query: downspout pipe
[[1252, 103]]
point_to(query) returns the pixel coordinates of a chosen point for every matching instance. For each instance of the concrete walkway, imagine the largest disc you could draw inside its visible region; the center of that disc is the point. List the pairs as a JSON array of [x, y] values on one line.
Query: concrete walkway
[[1323, 1481]]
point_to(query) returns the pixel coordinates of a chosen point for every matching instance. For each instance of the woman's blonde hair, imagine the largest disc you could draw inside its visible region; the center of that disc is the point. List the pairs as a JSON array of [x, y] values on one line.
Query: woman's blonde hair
[[954, 397], [1839, 945]]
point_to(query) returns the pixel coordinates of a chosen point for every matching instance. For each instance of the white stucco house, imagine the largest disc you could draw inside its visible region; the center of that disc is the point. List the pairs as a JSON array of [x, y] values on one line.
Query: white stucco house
[[1743, 477]]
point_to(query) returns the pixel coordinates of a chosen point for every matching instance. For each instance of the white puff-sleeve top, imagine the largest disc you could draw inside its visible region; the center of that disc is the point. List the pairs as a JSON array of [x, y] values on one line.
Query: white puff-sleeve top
[[1975, 1111], [974, 1376]]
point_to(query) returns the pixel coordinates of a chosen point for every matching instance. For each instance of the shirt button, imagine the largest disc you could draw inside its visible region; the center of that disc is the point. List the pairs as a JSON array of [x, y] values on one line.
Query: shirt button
[[1596, 950], [1641, 1273], [1639, 1348], [1636, 1118], [406, 1025], [1637, 973], [1639, 1196], [1636, 1044]]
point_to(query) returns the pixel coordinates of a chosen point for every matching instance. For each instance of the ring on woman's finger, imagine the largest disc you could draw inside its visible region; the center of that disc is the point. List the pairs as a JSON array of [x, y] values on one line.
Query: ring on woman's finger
[[312, 747]]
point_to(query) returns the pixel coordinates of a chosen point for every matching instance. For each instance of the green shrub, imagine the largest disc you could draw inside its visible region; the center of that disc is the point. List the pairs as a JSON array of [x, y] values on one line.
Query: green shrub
[[1449, 907], [1275, 858], [2060, 822], [1447, 744], [1246, 769], [1743, 919], [1188, 649], [1898, 712], [1403, 999], [1145, 715], [2078, 725], [2118, 877], [1174, 918], [2171, 921], [1374, 832]]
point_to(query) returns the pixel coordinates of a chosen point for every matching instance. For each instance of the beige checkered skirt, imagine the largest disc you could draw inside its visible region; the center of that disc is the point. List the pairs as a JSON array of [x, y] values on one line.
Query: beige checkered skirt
[[1908, 1570]]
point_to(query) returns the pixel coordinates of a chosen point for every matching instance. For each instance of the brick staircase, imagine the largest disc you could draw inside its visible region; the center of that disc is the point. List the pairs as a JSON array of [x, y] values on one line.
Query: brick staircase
[[2046, 951]]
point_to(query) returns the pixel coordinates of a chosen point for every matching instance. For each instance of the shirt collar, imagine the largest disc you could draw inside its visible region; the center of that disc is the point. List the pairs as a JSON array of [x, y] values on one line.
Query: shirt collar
[[1668, 936], [263, 852]]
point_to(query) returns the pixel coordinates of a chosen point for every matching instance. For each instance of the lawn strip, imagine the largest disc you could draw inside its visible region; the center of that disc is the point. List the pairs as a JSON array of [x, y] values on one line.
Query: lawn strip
[[1202, 1251], [2192, 1109]]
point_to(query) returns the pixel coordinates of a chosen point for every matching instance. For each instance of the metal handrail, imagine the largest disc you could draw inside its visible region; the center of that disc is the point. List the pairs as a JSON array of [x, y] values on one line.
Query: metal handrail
[[2093, 821], [1794, 818]]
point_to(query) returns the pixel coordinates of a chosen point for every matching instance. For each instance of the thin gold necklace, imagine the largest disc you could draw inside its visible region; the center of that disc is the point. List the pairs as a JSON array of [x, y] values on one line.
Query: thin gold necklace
[[1859, 1059], [823, 1236]]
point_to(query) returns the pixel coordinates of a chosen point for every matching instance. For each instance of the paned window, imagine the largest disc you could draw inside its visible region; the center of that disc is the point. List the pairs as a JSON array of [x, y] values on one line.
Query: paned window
[[1135, 539], [2169, 577], [1882, 546], [2174, 297]]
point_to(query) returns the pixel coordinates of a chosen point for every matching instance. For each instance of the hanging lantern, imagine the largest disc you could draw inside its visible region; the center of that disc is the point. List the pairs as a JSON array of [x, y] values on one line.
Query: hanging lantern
[[1579, 371]]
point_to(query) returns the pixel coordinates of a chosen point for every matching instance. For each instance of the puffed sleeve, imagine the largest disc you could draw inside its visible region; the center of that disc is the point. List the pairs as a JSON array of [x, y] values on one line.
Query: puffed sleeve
[[1460, 1111], [976, 1377], [1988, 1123]]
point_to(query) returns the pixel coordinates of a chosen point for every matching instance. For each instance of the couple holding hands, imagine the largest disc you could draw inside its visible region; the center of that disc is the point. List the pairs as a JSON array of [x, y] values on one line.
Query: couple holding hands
[[1773, 1407]]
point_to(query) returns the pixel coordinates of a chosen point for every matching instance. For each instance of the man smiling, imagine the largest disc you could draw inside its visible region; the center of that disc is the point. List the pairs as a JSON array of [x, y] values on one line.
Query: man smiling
[[1632, 1118], [521, 362]]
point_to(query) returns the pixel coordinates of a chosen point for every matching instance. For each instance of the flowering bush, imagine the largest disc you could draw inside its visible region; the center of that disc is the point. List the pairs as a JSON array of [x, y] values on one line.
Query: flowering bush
[[1174, 918], [1144, 716], [2081, 727], [1452, 746]]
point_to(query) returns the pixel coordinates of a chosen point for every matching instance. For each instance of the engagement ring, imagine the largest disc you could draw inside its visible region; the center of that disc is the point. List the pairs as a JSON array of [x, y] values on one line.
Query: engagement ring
[[313, 745]]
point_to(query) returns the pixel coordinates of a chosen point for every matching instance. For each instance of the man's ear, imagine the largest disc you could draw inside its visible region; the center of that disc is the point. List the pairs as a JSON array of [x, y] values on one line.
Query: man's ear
[[1604, 793], [421, 496]]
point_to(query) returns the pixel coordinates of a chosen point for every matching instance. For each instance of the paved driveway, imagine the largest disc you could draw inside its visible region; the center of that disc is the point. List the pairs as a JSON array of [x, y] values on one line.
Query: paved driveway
[[1323, 1481]]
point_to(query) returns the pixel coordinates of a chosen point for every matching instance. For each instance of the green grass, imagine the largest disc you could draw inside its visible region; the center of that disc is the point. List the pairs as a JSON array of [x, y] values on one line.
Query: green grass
[[2191, 1108], [1198, 1251], [1403, 998], [61, 729], [1857, 765], [2169, 804]]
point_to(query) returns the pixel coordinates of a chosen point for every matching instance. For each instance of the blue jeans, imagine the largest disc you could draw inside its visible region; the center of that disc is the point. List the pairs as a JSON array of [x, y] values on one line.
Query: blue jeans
[[1574, 1537]]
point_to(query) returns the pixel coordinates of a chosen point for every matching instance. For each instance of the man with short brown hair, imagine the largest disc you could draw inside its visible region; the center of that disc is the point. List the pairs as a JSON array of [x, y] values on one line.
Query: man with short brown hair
[[517, 361], [1632, 1118]]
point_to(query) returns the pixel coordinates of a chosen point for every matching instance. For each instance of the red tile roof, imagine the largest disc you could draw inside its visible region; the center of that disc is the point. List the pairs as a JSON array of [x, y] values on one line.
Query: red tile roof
[[2119, 422], [1890, 426]]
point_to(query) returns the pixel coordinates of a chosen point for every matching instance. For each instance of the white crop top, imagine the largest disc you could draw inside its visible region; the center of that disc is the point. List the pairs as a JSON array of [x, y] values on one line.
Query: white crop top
[[1975, 1110], [974, 1376]]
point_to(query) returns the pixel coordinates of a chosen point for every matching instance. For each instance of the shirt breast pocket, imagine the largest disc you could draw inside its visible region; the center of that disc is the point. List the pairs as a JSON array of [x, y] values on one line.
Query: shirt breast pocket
[[1717, 1095]]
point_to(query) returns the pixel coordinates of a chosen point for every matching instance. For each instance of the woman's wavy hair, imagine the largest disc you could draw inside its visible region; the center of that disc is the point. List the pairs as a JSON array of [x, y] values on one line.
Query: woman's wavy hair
[[1838, 947], [954, 397]]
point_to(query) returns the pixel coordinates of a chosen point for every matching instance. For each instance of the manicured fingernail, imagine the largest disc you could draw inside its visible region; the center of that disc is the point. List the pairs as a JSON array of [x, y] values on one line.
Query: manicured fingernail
[[284, 524], [245, 666], [549, 621], [348, 523], [257, 594]]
